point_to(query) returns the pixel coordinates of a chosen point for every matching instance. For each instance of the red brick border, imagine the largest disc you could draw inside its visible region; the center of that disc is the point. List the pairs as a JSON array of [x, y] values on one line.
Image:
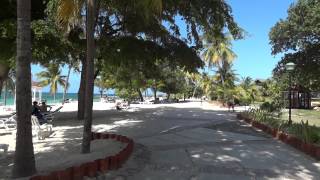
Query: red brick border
[[92, 168], [310, 149]]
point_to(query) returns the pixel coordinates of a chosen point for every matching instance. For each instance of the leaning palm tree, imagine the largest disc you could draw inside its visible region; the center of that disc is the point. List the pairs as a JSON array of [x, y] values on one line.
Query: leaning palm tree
[[24, 162], [53, 78], [4, 71], [9, 85]]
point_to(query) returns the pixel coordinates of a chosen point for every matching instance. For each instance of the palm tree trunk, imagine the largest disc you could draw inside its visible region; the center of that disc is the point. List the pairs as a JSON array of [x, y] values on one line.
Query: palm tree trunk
[[140, 94], [1, 86], [220, 67], [15, 94], [4, 72], [5, 92], [154, 88], [54, 97], [155, 93], [194, 91], [82, 91], [24, 162], [90, 77], [168, 96], [66, 84]]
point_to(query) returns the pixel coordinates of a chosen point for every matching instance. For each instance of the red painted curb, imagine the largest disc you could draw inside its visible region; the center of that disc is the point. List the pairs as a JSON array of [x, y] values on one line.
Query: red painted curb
[[91, 169], [38, 177], [103, 165], [293, 141], [104, 136], [113, 136], [318, 153]]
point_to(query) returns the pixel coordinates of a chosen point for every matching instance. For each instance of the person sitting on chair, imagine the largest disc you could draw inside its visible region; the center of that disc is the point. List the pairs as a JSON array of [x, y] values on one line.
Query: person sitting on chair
[[118, 106], [36, 112], [44, 107]]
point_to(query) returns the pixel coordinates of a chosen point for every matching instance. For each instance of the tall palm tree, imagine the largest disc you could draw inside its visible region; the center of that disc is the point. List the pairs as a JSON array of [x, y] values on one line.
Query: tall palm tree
[[24, 162], [53, 78], [4, 71], [89, 76], [218, 53], [9, 85], [66, 85]]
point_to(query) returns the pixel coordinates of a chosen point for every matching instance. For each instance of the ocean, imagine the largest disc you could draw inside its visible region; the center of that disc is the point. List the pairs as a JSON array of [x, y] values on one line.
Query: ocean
[[49, 98]]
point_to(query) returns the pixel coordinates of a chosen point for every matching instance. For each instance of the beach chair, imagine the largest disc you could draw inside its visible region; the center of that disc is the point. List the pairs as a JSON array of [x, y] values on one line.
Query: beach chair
[[5, 147], [49, 116], [8, 124], [42, 131]]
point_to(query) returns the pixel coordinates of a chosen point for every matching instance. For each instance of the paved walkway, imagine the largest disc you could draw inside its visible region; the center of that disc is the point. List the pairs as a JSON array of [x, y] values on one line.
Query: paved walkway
[[197, 144]]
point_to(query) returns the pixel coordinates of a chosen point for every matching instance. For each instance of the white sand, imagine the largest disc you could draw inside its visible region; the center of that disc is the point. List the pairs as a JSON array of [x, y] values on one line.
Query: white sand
[[62, 148], [66, 156]]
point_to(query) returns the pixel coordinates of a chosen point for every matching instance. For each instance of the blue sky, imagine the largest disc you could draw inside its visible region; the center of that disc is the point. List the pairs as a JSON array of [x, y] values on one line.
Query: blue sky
[[254, 52], [256, 17]]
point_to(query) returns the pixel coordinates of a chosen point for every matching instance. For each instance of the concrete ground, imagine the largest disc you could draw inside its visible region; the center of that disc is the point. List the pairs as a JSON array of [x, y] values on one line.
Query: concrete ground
[[196, 143], [187, 141]]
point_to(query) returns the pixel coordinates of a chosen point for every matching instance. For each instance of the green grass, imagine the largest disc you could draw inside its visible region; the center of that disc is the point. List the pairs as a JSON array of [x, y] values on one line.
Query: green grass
[[312, 116]]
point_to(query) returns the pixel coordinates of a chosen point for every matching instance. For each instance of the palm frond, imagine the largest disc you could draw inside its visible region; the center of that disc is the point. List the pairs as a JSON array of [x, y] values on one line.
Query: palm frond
[[44, 83], [69, 12]]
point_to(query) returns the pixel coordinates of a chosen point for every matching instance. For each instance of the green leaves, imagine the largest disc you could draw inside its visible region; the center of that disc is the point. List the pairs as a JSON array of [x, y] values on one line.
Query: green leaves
[[52, 77], [299, 37], [300, 29]]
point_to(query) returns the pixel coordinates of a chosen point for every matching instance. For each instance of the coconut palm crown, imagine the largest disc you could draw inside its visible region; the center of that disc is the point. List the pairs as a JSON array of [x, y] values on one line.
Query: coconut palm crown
[[52, 77]]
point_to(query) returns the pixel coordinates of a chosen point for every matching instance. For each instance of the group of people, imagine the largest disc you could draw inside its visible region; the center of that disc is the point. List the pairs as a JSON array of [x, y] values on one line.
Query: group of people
[[39, 111]]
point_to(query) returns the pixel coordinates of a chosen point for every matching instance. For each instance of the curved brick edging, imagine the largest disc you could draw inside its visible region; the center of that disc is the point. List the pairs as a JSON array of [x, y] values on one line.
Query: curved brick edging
[[91, 169], [291, 140]]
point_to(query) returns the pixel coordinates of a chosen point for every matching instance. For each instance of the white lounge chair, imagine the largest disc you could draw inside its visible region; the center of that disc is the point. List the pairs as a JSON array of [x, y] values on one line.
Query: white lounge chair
[[8, 124], [49, 116], [42, 131]]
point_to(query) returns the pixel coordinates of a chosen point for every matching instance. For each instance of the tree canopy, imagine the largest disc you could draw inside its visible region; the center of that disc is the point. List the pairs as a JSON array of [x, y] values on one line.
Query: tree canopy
[[298, 36]]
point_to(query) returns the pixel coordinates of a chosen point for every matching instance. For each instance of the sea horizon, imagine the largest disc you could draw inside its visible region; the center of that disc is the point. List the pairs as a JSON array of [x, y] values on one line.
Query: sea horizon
[[46, 96]]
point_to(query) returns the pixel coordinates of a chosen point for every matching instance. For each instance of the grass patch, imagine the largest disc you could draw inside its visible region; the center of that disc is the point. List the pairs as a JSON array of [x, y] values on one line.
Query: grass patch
[[312, 116], [301, 128]]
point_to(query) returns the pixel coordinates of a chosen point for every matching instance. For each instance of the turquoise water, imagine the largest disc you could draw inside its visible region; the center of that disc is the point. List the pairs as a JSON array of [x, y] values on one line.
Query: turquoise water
[[49, 98]]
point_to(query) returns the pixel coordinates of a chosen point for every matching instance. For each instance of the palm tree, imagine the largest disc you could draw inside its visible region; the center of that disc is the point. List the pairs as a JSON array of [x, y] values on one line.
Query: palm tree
[[4, 71], [52, 77], [101, 84], [24, 162], [218, 53], [89, 76], [9, 85], [195, 78], [66, 85]]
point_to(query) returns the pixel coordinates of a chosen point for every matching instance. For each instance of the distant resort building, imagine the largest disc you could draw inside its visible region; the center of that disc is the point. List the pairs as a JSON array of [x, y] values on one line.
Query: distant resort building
[[36, 90], [300, 98]]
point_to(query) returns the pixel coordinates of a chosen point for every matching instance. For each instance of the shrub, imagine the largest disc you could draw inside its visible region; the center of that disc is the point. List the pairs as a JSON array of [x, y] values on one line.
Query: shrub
[[302, 130]]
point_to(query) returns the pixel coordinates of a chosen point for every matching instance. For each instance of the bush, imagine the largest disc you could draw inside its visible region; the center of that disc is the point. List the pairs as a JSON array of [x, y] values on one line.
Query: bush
[[302, 130], [270, 107]]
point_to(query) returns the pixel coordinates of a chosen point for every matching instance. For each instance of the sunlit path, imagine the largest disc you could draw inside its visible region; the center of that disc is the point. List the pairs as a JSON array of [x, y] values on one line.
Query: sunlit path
[[185, 142]]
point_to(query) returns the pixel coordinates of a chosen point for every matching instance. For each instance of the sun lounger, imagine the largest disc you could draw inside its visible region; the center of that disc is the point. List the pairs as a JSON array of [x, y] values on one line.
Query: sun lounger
[[8, 124], [49, 116], [42, 131]]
